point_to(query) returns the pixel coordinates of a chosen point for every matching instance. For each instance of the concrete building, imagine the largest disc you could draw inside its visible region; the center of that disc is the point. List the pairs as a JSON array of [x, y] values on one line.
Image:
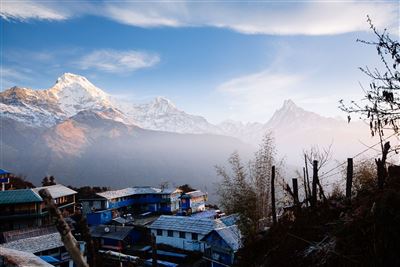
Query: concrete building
[[183, 232]]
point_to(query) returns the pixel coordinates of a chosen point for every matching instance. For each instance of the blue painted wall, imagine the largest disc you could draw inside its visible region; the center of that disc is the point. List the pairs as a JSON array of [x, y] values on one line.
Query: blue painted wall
[[100, 217]]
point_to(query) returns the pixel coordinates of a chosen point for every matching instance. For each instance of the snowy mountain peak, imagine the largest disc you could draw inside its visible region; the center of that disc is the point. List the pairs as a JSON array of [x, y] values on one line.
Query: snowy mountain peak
[[162, 105], [288, 104], [69, 77], [76, 93], [291, 115], [74, 83]]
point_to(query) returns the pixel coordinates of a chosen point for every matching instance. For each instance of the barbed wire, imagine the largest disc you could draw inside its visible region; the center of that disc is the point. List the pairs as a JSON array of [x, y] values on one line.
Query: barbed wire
[[323, 176]]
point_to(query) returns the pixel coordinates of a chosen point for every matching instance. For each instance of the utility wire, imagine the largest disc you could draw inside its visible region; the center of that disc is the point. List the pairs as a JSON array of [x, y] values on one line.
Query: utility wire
[[357, 155]]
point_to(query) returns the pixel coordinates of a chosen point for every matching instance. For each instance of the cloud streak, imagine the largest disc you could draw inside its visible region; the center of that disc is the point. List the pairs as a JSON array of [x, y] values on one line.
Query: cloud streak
[[261, 91], [27, 10], [305, 18], [115, 61]]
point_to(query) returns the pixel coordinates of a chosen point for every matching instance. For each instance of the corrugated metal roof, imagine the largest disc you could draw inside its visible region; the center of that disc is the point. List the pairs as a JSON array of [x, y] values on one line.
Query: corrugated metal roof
[[112, 232], [132, 191], [36, 244], [120, 220], [204, 214], [19, 196], [23, 259], [186, 224], [57, 190], [231, 235], [230, 219]]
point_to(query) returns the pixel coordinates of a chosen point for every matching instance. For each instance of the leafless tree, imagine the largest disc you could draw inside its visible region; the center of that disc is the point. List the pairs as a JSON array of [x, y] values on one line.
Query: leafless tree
[[380, 106], [322, 154]]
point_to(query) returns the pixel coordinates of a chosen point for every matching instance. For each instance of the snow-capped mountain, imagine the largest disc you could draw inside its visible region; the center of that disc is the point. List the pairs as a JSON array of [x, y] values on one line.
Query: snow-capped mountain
[[77, 121], [73, 93], [162, 115], [251, 132], [70, 95], [291, 116]]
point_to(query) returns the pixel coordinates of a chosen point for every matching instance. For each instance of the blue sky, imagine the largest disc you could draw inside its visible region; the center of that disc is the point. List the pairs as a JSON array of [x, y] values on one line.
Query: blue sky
[[222, 60]]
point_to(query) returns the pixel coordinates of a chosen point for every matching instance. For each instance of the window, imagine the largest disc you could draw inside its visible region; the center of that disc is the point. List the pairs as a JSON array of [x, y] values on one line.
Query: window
[[182, 235], [170, 233], [159, 232], [195, 236]]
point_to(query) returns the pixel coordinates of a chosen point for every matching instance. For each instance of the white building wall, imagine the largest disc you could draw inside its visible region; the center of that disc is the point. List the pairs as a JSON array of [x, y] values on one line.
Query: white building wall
[[183, 243]]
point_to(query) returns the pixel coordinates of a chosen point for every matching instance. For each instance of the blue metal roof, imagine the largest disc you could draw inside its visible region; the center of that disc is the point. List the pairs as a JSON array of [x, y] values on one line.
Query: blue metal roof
[[160, 263], [230, 219], [2, 171], [19, 196], [49, 259], [208, 214], [186, 224], [171, 254]]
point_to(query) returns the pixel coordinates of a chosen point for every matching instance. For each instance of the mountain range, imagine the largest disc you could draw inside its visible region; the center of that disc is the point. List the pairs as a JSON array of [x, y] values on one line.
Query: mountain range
[[83, 135]]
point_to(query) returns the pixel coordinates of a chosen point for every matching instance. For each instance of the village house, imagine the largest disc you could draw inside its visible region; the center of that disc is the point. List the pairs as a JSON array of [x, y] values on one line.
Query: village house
[[222, 245], [20, 209], [183, 232], [133, 200], [198, 200], [46, 245], [64, 197], [192, 202], [24, 208], [112, 237]]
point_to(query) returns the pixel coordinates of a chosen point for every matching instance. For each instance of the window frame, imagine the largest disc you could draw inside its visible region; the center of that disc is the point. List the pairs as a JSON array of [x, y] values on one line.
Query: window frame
[[170, 233], [195, 236], [182, 235]]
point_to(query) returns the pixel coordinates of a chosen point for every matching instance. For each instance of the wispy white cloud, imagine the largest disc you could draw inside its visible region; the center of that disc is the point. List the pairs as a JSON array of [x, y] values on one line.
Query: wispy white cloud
[[10, 73], [307, 18], [10, 76], [256, 95], [155, 14], [26, 10], [115, 61]]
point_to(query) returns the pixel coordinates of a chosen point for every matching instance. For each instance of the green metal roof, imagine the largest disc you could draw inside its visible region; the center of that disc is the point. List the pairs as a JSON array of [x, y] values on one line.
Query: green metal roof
[[19, 196]]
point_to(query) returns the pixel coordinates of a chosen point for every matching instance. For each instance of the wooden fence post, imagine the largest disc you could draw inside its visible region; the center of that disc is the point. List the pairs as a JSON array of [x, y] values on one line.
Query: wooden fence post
[[307, 176], [349, 178], [295, 191], [273, 195], [306, 197], [314, 183]]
